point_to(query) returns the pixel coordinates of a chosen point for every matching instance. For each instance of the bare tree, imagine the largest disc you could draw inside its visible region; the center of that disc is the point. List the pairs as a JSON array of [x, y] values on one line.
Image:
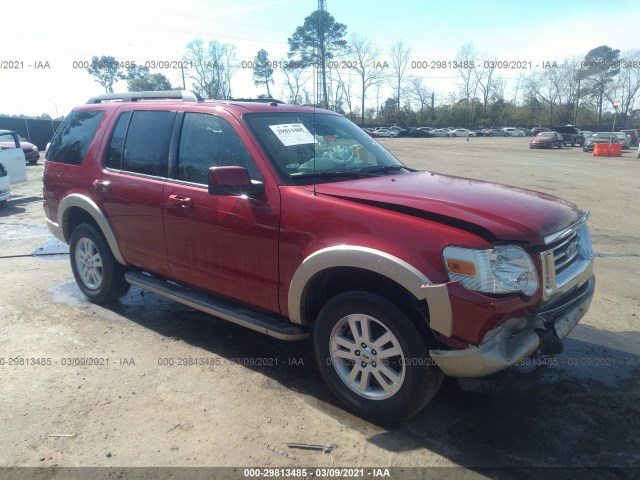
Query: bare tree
[[626, 87], [295, 79], [419, 93], [211, 67], [544, 85], [400, 55], [365, 54], [568, 82], [487, 84], [345, 83], [467, 59]]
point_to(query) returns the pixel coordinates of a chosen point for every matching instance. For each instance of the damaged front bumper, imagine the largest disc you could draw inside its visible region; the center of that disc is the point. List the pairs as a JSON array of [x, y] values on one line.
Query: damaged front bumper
[[517, 338]]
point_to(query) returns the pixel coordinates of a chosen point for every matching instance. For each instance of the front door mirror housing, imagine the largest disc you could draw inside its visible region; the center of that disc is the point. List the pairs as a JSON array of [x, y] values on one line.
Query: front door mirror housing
[[233, 181]]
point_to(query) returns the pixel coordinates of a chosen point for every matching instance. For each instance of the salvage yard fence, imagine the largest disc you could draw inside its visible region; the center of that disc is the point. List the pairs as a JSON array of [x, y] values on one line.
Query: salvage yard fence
[[38, 131]]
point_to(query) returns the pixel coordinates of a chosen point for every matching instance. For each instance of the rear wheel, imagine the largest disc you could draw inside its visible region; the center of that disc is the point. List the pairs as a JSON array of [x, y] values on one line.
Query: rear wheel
[[95, 269], [373, 358]]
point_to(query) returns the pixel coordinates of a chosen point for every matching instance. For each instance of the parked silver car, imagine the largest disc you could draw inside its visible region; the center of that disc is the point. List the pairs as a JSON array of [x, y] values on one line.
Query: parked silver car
[[624, 140]]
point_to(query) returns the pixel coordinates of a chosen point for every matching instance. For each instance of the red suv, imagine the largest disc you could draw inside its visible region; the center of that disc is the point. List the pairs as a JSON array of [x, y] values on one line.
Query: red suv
[[293, 222]]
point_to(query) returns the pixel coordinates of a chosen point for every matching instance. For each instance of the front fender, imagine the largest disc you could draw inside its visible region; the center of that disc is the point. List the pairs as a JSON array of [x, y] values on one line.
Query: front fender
[[394, 268]]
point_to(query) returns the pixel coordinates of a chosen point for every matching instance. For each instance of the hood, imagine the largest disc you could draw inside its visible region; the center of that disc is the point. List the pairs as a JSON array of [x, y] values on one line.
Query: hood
[[492, 211], [27, 146]]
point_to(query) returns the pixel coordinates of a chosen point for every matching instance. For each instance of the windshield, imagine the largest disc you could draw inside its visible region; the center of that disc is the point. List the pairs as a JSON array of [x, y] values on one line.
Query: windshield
[[308, 147], [545, 135]]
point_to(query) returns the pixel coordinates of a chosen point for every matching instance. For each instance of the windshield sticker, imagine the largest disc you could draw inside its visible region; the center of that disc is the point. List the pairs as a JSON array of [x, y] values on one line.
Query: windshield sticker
[[292, 134]]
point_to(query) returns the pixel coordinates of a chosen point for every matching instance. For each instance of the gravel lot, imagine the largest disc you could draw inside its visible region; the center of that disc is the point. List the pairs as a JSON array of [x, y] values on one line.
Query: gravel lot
[[231, 393]]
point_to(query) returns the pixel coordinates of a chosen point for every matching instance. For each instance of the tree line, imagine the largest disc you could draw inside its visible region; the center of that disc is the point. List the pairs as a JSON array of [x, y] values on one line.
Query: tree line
[[350, 74]]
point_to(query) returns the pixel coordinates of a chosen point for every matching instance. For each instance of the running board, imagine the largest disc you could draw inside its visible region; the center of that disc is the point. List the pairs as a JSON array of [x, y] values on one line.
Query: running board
[[270, 325]]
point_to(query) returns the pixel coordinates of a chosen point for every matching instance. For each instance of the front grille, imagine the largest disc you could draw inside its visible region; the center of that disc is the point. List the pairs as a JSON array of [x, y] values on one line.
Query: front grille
[[566, 253], [568, 257]]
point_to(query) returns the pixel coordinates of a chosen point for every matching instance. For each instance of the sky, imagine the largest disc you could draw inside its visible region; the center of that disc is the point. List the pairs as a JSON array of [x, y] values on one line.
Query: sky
[[57, 36]]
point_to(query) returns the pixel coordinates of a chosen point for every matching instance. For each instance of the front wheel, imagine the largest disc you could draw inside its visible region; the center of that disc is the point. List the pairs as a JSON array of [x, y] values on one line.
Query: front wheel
[[373, 358], [95, 269]]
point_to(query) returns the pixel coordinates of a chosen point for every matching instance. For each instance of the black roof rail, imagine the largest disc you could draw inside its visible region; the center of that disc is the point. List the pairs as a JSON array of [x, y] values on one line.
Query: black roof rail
[[257, 100], [184, 95]]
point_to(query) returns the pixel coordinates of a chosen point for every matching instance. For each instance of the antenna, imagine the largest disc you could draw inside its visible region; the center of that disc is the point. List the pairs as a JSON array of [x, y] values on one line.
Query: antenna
[[320, 99]]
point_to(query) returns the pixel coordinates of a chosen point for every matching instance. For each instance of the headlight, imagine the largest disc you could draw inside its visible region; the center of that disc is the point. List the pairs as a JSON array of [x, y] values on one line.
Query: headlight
[[35, 149], [504, 269]]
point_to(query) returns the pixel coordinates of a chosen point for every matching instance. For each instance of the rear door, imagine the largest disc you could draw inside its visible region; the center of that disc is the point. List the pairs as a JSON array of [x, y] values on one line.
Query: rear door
[[224, 244], [130, 188]]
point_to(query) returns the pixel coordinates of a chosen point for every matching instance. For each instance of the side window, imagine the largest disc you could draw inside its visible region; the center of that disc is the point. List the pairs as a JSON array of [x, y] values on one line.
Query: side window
[[147, 143], [9, 141], [73, 137], [114, 154], [209, 141]]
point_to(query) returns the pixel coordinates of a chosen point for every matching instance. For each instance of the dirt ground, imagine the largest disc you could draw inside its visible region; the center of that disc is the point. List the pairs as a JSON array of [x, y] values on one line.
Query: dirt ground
[[150, 383]]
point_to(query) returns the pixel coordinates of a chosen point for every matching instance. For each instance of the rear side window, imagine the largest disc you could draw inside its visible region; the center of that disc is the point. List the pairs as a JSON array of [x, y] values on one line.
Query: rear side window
[[147, 142], [116, 146], [73, 137]]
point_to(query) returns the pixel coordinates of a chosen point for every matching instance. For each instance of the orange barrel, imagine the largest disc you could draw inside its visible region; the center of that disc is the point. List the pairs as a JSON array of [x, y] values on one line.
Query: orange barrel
[[616, 150], [601, 150]]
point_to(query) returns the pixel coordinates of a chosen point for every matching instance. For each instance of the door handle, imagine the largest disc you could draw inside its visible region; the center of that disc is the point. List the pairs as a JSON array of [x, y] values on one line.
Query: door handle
[[102, 186], [180, 201]]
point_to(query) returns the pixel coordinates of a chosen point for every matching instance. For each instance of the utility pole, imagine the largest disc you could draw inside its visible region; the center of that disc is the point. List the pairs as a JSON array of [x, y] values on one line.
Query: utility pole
[[575, 114], [321, 91]]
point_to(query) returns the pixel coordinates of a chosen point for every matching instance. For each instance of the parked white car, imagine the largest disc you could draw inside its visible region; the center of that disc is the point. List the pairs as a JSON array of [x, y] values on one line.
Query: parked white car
[[12, 156], [440, 132], [462, 132], [385, 132], [513, 132]]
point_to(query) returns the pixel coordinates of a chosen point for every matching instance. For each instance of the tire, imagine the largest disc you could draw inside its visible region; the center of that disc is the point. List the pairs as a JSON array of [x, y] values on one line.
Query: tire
[[447, 135], [33, 162], [392, 391], [96, 271]]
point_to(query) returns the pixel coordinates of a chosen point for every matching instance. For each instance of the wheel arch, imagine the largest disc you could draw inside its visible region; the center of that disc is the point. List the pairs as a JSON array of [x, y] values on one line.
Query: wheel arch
[[75, 209], [333, 270]]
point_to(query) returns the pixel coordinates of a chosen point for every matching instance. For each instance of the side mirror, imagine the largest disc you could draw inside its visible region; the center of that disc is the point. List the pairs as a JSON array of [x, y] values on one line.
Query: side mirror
[[233, 181]]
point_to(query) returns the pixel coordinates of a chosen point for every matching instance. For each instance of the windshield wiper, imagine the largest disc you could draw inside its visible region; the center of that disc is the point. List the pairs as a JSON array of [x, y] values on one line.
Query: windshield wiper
[[388, 168], [328, 174]]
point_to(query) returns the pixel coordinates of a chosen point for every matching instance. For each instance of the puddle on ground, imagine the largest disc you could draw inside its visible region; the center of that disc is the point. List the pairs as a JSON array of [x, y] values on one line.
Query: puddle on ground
[[52, 249], [23, 231], [68, 293]]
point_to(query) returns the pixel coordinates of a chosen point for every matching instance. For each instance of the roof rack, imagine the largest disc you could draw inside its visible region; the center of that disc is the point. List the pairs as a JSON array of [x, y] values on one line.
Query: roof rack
[[184, 95], [257, 100]]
